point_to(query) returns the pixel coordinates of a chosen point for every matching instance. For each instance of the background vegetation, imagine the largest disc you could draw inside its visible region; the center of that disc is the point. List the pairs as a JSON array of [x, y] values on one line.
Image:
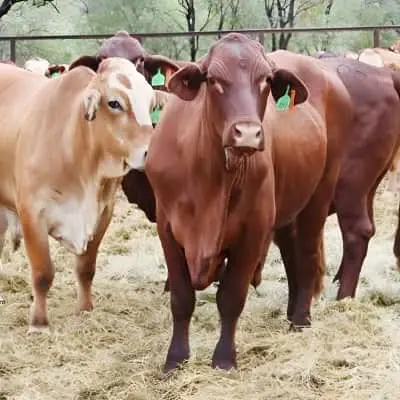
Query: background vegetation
[[35, 17]]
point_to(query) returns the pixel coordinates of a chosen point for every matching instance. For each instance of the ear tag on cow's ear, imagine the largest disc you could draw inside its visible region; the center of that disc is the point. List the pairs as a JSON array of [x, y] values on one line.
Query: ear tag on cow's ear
[[283, 102], [158, 79], [155, 115]]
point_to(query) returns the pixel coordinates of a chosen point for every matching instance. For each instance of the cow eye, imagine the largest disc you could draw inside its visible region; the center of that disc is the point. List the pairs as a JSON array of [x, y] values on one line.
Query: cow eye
[[114, 104]]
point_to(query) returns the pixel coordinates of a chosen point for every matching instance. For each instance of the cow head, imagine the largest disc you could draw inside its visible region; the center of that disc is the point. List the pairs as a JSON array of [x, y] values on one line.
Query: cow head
[[237, 78], [118, 103], [125, 46]]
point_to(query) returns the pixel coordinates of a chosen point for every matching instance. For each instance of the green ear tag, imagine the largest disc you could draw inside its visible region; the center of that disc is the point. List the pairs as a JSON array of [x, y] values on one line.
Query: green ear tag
[[283, 102], [158, 79], [155, 115], [55, 74]]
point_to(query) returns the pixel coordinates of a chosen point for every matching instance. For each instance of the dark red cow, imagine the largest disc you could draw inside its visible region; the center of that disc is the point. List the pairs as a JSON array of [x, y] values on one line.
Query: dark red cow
[[232, 170], [374, 140]]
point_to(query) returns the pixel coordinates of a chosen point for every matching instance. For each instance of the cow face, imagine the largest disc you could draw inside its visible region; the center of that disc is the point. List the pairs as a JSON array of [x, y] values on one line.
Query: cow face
[[118, 102], [238, 79]]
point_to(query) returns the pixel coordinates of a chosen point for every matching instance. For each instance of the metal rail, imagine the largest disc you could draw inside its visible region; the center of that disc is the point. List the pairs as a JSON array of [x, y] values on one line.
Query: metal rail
[[375, 29]]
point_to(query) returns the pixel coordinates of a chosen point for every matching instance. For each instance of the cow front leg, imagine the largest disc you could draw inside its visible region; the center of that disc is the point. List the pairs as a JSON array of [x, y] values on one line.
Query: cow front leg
[[86, 263], [42, 269], [231, 298], [182, 299]]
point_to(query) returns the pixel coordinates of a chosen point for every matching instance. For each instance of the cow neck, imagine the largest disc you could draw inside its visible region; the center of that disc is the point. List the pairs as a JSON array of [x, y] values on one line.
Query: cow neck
[[87, 151], [225, 178]]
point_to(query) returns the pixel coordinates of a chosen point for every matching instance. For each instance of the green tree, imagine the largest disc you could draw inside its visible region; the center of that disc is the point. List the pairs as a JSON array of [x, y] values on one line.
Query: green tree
[[6, 5]]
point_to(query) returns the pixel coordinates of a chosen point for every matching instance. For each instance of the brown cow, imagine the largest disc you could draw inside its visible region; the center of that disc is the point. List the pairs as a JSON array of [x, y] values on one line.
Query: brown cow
[[375, 136], [232, 170], [64, 147], [125, 46]]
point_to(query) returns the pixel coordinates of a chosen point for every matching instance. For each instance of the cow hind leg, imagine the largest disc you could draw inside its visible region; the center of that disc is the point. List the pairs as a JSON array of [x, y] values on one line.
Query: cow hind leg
[[37, 248], [285, 240], [86, 263], [396, 245], [182, 299], [310, 262], [356, 224]]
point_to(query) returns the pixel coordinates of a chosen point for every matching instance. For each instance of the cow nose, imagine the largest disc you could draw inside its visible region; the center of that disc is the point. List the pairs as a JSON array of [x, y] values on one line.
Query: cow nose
[[248, 135]]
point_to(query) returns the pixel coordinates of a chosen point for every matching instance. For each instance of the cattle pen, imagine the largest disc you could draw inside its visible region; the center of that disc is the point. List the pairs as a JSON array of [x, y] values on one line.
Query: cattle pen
[[374, 30], [117, 351]]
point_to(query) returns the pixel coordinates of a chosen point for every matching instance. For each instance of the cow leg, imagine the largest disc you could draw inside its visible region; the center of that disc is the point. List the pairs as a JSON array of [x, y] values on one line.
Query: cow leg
[[396, 245], [356, 224], [42, 269], [86, 263], [182, 299], [231, 297], [285, 240], [310, 263], [3, 230]]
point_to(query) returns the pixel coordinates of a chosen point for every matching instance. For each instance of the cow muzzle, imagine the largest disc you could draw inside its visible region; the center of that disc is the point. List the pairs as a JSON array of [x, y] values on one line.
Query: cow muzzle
[[245, 137], [137, 158]]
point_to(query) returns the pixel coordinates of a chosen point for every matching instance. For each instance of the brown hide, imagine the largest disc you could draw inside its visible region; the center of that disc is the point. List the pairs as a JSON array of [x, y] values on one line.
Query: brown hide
[[374, 140], [125, 46], [220, 199], [64, 147]]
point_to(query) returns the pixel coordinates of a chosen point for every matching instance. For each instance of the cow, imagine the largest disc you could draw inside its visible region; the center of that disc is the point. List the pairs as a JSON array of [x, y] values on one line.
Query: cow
[[243, 164], [135, 184], [62, 159], [43, 67], [124, 45], [372, 151], [38, 65], [380, 58]]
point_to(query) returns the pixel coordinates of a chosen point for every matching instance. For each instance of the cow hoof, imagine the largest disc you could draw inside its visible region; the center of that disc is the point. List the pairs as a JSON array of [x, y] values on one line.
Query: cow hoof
[[85, 308], [297, 328], [171, 365], [226, 365], [39, 329]]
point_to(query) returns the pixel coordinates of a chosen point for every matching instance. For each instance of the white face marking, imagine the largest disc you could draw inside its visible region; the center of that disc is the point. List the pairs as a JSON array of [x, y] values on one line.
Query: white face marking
[[141, 94]]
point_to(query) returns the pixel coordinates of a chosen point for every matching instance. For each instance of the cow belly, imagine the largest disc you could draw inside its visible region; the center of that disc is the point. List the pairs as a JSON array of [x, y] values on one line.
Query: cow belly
[[73, 222]]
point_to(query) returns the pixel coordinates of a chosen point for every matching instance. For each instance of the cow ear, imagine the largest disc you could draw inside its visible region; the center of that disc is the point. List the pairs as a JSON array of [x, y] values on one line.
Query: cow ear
[[91, 102], [186, 82], [87, 61], [284, 81], [152, 63]]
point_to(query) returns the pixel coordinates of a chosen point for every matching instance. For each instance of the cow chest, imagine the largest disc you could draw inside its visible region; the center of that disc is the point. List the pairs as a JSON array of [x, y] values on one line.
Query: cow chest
[[73, 220]]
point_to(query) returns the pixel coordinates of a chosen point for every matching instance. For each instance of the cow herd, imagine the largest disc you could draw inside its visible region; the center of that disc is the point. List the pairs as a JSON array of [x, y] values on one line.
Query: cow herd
[[251, 148]]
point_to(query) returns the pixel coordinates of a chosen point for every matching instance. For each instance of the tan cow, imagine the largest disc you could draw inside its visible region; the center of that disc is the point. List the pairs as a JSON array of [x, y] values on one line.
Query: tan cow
[[64, 147]]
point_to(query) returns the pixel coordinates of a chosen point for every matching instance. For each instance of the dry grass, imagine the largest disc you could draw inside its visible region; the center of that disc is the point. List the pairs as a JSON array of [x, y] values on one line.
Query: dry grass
[[117, 351]]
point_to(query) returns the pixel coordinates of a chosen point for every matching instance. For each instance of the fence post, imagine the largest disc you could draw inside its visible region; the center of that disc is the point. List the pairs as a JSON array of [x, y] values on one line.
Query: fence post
[[376, 38], [261, 38], [13, 50]]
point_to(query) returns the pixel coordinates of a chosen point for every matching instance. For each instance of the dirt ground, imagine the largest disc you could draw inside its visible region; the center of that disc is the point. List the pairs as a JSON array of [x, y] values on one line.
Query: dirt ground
[[117, 351]]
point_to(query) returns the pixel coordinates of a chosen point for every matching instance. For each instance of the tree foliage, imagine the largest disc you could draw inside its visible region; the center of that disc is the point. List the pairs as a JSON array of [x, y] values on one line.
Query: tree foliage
[[5, 5], [31, 17]]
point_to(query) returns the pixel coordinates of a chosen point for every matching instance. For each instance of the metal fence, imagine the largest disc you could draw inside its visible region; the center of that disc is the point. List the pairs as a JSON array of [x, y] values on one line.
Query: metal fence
[[375, 31]]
